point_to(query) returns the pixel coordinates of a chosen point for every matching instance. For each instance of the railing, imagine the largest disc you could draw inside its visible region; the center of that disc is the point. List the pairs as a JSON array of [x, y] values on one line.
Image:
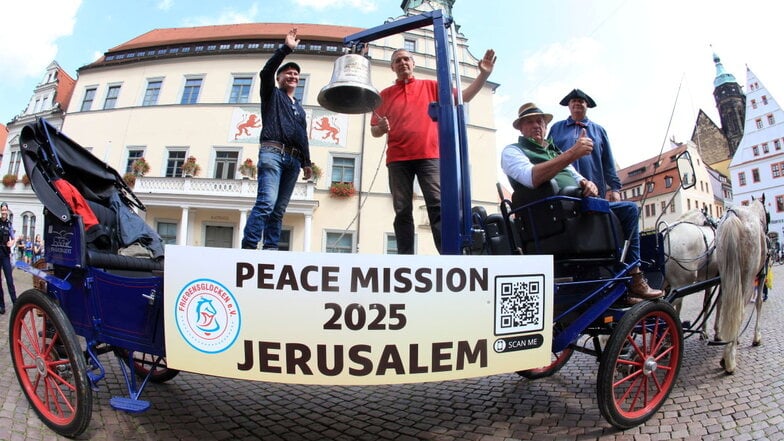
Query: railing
[[212, 187]]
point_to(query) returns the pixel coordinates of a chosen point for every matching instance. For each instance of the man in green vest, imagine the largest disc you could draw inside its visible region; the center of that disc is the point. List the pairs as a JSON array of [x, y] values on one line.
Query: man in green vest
[[534, 161]]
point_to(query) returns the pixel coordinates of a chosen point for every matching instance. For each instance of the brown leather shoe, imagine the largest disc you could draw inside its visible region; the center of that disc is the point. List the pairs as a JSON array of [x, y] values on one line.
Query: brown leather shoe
[[639, 288]]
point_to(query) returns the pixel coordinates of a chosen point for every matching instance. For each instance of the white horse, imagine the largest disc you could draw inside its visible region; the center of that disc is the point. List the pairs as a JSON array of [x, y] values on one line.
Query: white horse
[[689, 246], [741, 252]]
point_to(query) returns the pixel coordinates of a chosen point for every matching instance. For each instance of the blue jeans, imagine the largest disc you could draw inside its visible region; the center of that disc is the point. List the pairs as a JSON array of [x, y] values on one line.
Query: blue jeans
[[401, 185], [278, 175], [628, 215], [9, 279]]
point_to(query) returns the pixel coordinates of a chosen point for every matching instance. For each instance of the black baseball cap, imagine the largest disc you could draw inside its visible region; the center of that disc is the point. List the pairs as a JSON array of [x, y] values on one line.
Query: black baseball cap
[[287, 66]]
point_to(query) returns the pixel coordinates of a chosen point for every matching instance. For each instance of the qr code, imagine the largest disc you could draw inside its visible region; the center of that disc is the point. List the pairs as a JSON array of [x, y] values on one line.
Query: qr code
[[519, 304]]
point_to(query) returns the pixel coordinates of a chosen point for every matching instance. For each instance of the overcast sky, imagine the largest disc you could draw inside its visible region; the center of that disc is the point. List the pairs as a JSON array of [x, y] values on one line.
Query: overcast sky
[[631, 56]]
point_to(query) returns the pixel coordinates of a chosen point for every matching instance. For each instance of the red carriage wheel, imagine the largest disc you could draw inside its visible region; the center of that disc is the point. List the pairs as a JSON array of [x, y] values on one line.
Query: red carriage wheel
[[640, 365], [50, 364]]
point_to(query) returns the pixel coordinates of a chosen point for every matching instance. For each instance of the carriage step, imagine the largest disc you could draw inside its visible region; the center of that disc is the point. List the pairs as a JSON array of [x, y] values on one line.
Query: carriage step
[[129, 404]]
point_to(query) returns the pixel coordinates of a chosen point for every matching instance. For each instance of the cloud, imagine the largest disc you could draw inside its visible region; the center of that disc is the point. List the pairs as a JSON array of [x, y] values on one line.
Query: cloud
[[226, 16], [29, 34], [361, 5], [165, 5]]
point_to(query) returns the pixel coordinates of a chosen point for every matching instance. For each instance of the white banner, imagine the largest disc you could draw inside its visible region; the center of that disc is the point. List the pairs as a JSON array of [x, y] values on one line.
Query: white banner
[[353, 319]]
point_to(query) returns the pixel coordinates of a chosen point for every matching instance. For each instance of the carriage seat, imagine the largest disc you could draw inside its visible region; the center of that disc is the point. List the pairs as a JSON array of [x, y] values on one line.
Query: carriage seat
[[489, 233], [551, 220]]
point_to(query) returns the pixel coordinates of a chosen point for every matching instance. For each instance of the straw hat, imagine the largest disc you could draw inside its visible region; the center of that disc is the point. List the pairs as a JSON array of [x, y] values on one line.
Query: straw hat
[[527, 110]]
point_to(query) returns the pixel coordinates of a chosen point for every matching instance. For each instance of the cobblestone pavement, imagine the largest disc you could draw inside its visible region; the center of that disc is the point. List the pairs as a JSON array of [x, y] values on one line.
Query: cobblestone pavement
[[704, 405]]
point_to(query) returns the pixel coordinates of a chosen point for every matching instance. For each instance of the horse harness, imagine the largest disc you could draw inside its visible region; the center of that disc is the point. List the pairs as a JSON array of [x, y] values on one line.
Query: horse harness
[[709, 247]]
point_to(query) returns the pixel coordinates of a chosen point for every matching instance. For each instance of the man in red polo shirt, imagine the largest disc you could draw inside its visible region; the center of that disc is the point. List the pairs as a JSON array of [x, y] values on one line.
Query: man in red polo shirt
[[412, 143]]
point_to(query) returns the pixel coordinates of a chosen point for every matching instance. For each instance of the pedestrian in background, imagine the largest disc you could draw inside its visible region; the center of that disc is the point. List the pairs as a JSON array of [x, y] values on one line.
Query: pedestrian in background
[[38, 248], [6, 248]]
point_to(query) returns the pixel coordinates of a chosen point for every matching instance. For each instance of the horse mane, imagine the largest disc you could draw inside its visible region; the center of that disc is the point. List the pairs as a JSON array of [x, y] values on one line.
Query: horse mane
[[695, 216]]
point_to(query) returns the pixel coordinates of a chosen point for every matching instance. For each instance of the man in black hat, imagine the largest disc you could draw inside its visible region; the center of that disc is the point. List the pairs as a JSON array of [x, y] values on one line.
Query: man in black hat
[[599, 166], [534, 160], [284, 148], [6, 248]]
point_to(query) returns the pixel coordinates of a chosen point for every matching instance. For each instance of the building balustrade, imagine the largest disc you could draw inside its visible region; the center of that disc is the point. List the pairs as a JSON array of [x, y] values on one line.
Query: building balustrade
[[212, 187]]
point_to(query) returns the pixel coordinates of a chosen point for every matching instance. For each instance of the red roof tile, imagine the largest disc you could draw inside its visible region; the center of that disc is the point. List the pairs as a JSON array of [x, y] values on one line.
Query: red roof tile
[[160, 37], [65, 88]]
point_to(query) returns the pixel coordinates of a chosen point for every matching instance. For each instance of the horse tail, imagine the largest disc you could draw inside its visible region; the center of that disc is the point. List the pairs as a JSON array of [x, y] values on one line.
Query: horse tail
[[729, 256]]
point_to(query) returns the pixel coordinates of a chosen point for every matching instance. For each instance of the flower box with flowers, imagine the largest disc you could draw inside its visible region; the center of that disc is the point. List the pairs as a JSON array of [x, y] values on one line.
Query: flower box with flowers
[[247, 169], [140, 167], [342, 190], [190, 167], [10, 179], [316, 172]]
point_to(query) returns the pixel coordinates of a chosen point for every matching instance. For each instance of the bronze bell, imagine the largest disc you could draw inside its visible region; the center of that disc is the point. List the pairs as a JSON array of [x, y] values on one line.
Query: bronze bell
[[350, 90]]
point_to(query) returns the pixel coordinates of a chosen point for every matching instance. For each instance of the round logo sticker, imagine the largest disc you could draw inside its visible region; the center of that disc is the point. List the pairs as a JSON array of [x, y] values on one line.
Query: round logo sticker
[[207, 316]]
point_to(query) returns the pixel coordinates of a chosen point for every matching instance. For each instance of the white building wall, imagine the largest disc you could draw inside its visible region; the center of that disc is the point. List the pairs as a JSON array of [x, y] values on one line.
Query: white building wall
[[761, 149]]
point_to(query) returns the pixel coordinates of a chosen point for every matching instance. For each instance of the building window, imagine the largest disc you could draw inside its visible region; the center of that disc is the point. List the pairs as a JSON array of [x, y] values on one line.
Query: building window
[[284, 243], [777, 144], [226, 164], [174, 163], [299, 92], [771, 120], [664, 206], [742, 178], [755, 176], [764, 100], [758, 123], [668, 181], [15, 162], [190, 94], [152, 92], [779, 204], [133, 154], [168, 232], [753, 104], [755, 150], [650, 187], [343, 169], [111, 97], [688, 204], [240, 89], [390, 243], [409, 45], [339, 242], [765, 147], [775, 169], [672, 208], [89, 97]]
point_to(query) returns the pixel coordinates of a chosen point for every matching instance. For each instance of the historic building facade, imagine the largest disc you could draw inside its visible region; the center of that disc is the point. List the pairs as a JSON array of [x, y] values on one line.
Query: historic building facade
[[757, 168], [173, 94], [49, 100]]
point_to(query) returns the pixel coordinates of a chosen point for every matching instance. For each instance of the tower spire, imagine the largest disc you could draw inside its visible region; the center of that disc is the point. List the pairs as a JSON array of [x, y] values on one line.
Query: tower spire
[[731, 104]]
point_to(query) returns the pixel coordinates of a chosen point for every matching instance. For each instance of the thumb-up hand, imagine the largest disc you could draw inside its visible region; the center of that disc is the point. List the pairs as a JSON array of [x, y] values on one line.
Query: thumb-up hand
[[584, 145]]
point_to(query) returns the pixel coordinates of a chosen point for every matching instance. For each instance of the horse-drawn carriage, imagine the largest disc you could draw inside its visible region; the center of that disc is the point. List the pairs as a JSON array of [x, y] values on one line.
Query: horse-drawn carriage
[[99, 299], [114, 302]]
